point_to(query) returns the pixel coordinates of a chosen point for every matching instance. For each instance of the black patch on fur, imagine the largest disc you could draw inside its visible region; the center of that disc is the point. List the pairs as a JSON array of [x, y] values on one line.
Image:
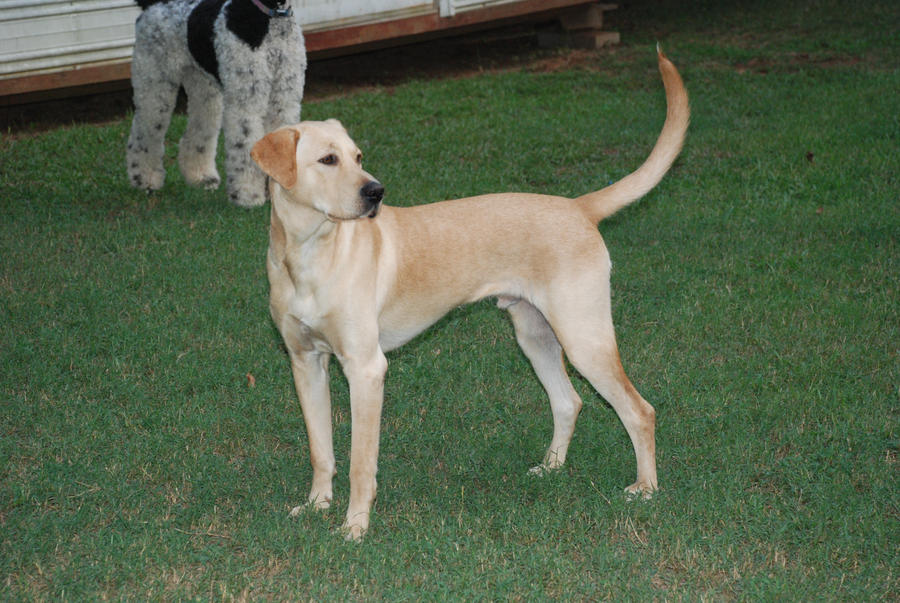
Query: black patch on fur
[[200, 35], [248, 23], [145, 3]]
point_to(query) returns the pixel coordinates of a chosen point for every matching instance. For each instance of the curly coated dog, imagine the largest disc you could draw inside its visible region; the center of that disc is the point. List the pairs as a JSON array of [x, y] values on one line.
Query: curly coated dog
[[241, 60]]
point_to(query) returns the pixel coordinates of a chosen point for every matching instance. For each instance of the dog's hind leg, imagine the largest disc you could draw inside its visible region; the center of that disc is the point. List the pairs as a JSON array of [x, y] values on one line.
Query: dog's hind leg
[[582, 320], [245, 109], [197, 149], [154, 100], [539, 343], [286, 96]]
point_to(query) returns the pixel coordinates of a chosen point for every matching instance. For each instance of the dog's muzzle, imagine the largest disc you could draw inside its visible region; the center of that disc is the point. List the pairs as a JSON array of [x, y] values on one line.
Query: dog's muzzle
[[372, 193]]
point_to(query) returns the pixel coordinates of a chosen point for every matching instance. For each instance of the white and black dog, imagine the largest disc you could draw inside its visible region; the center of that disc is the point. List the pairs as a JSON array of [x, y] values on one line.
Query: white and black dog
[[246, 57]]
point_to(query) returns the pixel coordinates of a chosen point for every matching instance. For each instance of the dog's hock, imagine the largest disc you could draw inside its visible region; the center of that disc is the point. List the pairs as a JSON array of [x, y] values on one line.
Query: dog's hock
[[276, 155]]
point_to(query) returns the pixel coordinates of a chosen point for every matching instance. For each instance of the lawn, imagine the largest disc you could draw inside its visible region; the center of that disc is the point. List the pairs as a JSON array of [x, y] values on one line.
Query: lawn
[[150, 437]]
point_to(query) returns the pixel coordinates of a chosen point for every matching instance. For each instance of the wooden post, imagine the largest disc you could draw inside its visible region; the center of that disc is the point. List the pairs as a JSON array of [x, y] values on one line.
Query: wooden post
[[581, 27]]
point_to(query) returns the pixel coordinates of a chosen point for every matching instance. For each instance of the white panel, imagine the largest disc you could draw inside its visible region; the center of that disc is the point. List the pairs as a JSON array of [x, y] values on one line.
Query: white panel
[[50, 35], [331, 14], [37, 35], [451, 7]]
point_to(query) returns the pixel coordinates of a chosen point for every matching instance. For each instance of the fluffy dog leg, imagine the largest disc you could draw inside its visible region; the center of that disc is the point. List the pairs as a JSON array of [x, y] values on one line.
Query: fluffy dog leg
[[154, 101], [247, 89], [197, 149], [287, 94], [245, 181]]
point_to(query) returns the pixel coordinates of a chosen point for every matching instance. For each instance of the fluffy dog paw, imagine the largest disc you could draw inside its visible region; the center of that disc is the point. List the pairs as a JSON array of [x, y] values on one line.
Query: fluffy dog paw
[[151, 180], [247, 201], [209, 180]]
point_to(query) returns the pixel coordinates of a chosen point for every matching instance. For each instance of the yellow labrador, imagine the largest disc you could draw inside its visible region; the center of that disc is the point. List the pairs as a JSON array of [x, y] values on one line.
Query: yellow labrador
[[353, 278]]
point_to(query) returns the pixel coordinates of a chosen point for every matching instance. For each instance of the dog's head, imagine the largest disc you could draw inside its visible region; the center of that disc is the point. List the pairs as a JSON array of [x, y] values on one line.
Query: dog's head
[[318, 165]]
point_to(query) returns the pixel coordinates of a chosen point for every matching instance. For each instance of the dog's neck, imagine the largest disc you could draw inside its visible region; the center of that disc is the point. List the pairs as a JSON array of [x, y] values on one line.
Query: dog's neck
[[285, 11], [303, 223]]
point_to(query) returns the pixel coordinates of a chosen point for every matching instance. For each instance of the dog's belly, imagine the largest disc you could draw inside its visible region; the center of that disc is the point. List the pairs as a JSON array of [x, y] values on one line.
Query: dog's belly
[[396, 327], [402, 320]]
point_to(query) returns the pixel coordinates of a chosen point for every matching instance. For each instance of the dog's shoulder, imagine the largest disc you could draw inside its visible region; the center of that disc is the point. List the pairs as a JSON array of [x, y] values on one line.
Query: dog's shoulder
[[201, 32]]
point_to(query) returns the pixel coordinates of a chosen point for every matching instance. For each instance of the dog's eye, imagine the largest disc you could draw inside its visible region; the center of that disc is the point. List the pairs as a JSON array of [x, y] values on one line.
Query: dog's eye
[[359, 158], [329, 159]]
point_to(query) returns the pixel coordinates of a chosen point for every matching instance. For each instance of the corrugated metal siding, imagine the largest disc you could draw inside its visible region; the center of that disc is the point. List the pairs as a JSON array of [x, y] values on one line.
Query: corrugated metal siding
[[39, 35], [450, 7], [317, 15], [46, 44]]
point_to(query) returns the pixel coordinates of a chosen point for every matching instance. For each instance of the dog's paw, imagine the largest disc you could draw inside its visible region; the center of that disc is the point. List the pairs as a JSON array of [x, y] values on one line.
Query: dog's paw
[[552, 462], [247, 201], [319, 502], [211, 183], [355, 526], [543, 469], [147, 180], [198, 172], [296, 511], [639, 491], [314, 503], [353, 533]]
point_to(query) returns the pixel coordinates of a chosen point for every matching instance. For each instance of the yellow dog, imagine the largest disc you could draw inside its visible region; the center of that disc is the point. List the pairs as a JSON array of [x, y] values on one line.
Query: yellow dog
[[353, 278]]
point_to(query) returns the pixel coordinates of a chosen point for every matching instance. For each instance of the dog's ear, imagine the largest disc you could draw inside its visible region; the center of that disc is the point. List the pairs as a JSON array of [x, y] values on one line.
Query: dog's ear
[[276, 155]]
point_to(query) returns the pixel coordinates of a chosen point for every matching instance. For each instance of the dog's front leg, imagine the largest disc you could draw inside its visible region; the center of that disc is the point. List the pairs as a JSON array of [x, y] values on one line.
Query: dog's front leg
[[366, 378], [310, 371]]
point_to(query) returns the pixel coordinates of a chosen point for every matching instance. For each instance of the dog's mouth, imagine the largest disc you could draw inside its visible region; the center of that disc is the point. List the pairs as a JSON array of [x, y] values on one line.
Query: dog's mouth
[[372, 213], [370, 196]]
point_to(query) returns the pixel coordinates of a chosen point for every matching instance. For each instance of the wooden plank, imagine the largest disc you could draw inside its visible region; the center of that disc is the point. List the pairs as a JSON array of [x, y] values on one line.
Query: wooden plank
[[94, 74]]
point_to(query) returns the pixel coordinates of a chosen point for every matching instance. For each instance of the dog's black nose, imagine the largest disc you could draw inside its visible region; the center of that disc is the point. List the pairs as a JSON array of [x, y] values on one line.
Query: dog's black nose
[[372, 192]]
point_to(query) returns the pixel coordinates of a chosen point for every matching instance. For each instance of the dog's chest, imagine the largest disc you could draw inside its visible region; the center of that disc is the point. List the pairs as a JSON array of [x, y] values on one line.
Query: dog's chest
[[304, 336], [308, 316]]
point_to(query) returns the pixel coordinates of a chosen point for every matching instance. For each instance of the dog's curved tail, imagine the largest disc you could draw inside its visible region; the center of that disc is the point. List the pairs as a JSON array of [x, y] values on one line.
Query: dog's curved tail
[[605, 202]]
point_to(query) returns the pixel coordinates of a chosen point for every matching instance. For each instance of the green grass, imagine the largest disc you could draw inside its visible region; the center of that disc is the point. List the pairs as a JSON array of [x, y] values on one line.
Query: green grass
[[755, 298]]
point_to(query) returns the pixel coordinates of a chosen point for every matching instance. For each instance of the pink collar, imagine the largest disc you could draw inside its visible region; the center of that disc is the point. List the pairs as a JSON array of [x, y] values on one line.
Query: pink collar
[[273, 12]]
